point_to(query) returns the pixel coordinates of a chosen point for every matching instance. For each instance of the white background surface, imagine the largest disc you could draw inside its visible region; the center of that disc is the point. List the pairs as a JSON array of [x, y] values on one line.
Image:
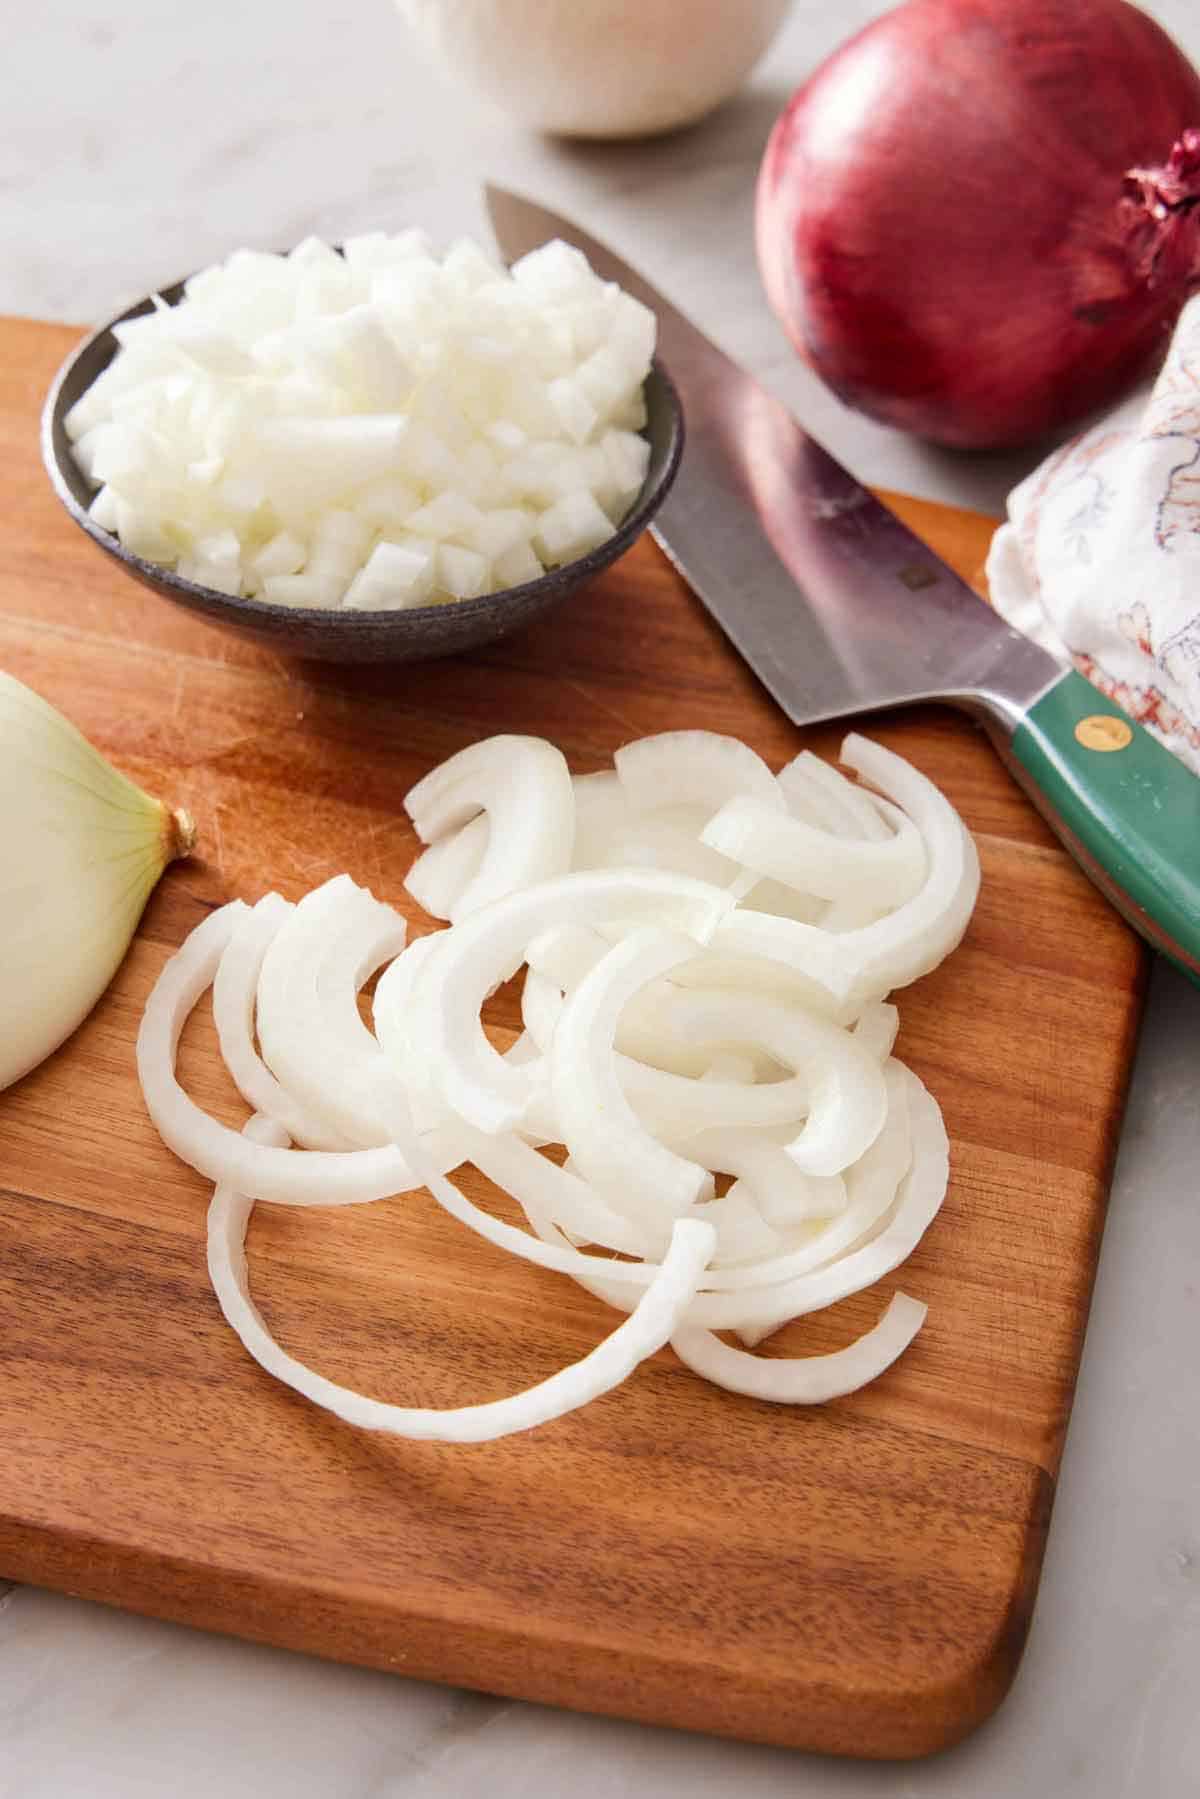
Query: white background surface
[[140, 141]]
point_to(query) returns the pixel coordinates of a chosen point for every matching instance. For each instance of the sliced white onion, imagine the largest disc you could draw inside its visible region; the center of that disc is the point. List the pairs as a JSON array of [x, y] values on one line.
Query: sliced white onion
[[783, 1195], [309, 1026], [784, 902], [815, 861], [761, 1049], [804, 1380], [392, 1015], [672, 837], [845, 1096], [548, 1249], [486, 949], [743, 1234], [285, 1176], [903, 1181], [876, 1028], [650, 1325], [691, 774], [916, 1204], [913, 940], [604, 1137], [524, 786], [700, 768], [816, 791], [601, 813], [234, 996], [560, 1196], [858, 965], [444, 870]]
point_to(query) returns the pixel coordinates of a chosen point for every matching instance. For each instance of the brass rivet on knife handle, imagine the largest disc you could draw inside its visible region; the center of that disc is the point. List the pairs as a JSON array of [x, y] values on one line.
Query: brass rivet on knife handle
[[1103, 731]]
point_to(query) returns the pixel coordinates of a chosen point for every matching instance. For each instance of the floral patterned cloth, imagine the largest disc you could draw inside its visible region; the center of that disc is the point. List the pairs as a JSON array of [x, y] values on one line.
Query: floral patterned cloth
[[1100, 559]]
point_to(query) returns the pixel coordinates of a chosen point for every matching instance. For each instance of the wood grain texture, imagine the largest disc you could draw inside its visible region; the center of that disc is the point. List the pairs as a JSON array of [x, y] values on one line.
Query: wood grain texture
[[856, 1577]]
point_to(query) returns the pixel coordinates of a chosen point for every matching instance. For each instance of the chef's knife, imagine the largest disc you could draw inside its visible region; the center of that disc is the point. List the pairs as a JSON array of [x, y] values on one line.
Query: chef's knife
[[838, 608]]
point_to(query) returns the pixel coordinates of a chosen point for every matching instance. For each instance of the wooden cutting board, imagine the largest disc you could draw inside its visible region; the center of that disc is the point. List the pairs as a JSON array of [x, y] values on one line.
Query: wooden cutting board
[[856, 1577]]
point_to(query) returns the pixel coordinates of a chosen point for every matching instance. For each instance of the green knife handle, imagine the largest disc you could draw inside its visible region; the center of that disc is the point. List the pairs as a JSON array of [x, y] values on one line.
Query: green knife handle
[[1127, 808]]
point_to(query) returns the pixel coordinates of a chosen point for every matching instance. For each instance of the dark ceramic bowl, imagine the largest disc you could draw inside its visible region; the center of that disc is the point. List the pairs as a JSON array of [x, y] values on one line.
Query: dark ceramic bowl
[[400, 636]]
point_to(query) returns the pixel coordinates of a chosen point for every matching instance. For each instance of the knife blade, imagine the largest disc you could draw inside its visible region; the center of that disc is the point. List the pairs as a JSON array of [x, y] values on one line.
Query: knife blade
[[839, 608]]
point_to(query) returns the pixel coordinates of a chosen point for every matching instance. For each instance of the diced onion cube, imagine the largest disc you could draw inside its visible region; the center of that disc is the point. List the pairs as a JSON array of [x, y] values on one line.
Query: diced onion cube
[[572, 527], [512, 568], [463, 573], [572, 408], [282, 555], [394, 575], [303, 590]]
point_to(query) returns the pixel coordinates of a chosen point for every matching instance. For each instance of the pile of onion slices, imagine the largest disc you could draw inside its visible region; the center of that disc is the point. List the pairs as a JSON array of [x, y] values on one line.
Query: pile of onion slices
[[707, 949]]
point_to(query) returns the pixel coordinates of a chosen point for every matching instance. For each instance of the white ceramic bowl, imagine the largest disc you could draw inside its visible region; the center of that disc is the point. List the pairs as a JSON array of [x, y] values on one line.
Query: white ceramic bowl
[[598, 68]]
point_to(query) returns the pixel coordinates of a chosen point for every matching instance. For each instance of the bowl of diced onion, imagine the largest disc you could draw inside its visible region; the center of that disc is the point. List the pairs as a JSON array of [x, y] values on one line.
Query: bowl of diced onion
[[368, 452]]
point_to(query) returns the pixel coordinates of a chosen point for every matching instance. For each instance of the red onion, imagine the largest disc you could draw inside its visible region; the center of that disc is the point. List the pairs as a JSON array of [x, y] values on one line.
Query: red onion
[[959, 218]]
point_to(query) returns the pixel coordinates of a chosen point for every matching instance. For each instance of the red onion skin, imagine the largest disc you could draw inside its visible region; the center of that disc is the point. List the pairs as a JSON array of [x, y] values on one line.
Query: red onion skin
[[941, 221]]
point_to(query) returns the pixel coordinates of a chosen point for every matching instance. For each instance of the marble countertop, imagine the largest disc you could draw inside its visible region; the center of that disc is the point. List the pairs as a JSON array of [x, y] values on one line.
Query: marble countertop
[[140, 141]]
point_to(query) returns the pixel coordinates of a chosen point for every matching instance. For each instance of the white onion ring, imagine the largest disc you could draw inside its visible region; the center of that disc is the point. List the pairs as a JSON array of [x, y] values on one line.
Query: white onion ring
[[524, 786], [804, 1380], [812, 860], [234, 995], [816, 791], [863, 964], [845, 1099], [486, 948], [700, 768], [444, 870], [646, 1330], [292, 1177], [781, 1193], [605, 1139], [674, 783], [309, 1026]]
